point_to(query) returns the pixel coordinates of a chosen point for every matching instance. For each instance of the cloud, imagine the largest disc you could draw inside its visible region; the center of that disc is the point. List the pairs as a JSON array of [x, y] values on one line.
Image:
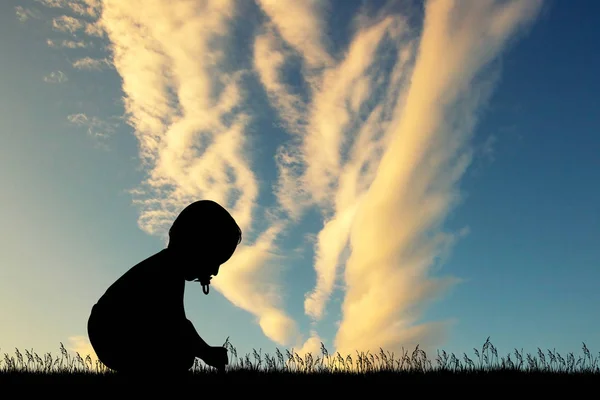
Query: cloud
[[487, 149], [185, 103], [380, 153], [70, 44], [428, 153], [318, 165], [24, 14], [249, 282], [84, 8], [89, 63], [94, 29], [66, 23], [56, 77], [293, 27], [312, 346], [302, 25], [378, 140], [72, 25], [269, 57], [82, 345], [96, 128]]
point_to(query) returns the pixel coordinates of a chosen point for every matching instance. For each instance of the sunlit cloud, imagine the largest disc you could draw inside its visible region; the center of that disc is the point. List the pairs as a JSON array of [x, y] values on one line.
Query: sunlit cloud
[[65, 23], [397, 236], [73, 26], [82, 345], [89, 63], [70, 44], [95, 127], [371, 128], [56, 77], [319, 167], [302, 25], [192, 129], [269, 57], [376, 138], [94, 29], [89, 8], [24, 14], [248, 282]]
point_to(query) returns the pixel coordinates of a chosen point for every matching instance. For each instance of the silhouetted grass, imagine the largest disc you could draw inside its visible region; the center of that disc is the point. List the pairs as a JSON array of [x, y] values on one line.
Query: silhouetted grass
[[485, 365]]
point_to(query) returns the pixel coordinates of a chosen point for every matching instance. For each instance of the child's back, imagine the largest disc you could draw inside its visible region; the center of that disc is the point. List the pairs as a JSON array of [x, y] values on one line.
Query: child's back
[[146, 289], [142, 305]]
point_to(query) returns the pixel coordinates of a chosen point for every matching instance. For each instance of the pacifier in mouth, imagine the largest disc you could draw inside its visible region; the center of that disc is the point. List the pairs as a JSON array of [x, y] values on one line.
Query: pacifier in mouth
[[205, 285]]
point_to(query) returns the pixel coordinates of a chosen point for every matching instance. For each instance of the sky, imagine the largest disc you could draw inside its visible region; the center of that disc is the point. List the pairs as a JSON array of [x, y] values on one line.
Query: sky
[[403, 172]]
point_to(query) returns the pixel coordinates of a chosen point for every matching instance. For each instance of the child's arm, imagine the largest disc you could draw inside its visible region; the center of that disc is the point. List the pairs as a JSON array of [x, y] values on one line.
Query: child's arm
[[213, 356], [200, 347]]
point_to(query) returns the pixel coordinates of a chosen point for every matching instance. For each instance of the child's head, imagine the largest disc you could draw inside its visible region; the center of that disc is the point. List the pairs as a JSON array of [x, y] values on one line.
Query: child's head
[[205, 235]]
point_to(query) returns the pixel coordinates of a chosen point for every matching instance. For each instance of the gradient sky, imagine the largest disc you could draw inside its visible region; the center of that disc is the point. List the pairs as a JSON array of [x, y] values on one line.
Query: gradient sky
[[403, 172]]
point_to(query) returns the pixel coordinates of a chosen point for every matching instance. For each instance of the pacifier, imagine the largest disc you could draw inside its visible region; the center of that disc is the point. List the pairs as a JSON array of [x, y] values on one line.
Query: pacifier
[[204, 285]]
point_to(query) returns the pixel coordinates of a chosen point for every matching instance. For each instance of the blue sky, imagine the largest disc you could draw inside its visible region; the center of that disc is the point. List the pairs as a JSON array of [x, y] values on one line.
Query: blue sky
[[453, 151]]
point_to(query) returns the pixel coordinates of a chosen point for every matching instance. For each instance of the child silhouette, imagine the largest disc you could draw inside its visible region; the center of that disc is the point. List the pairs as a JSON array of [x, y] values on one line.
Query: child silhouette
[[144, 309]]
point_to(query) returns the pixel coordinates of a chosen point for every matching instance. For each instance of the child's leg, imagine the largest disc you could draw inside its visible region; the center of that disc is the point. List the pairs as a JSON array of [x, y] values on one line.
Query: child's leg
[[162, 349], [101, 338], [129, 346]]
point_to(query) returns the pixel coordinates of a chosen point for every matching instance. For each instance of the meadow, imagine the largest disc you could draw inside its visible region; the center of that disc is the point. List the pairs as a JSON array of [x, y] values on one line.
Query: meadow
[[485, 365]]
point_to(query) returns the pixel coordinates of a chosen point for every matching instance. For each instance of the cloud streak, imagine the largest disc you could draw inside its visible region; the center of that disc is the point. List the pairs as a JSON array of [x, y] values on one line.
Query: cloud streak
[[84, 8], [96, 127], [381, 152], [192, 130], [56, 77], [92, 64], [67, 24], [302, 26], [82, 346], [396, 236], [70, 44], [24, 14]]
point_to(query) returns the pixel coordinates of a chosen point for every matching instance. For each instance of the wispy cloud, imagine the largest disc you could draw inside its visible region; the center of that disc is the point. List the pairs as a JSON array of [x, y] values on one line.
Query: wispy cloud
[[191, 128], [70, 44], [487, 148], [73, 26], [94, 29], [56, 77], [269, 59], [302, 25], [293, 28], [317, 166], [372, 127], [378, 137], [84, 8], [81, 344], [250, 281], [66, 23], [96, 64], [397, 236], [95, 127], [24, 14]]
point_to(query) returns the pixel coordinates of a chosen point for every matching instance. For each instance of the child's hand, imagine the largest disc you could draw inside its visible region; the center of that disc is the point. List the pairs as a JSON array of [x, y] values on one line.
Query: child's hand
[[217, 357]]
